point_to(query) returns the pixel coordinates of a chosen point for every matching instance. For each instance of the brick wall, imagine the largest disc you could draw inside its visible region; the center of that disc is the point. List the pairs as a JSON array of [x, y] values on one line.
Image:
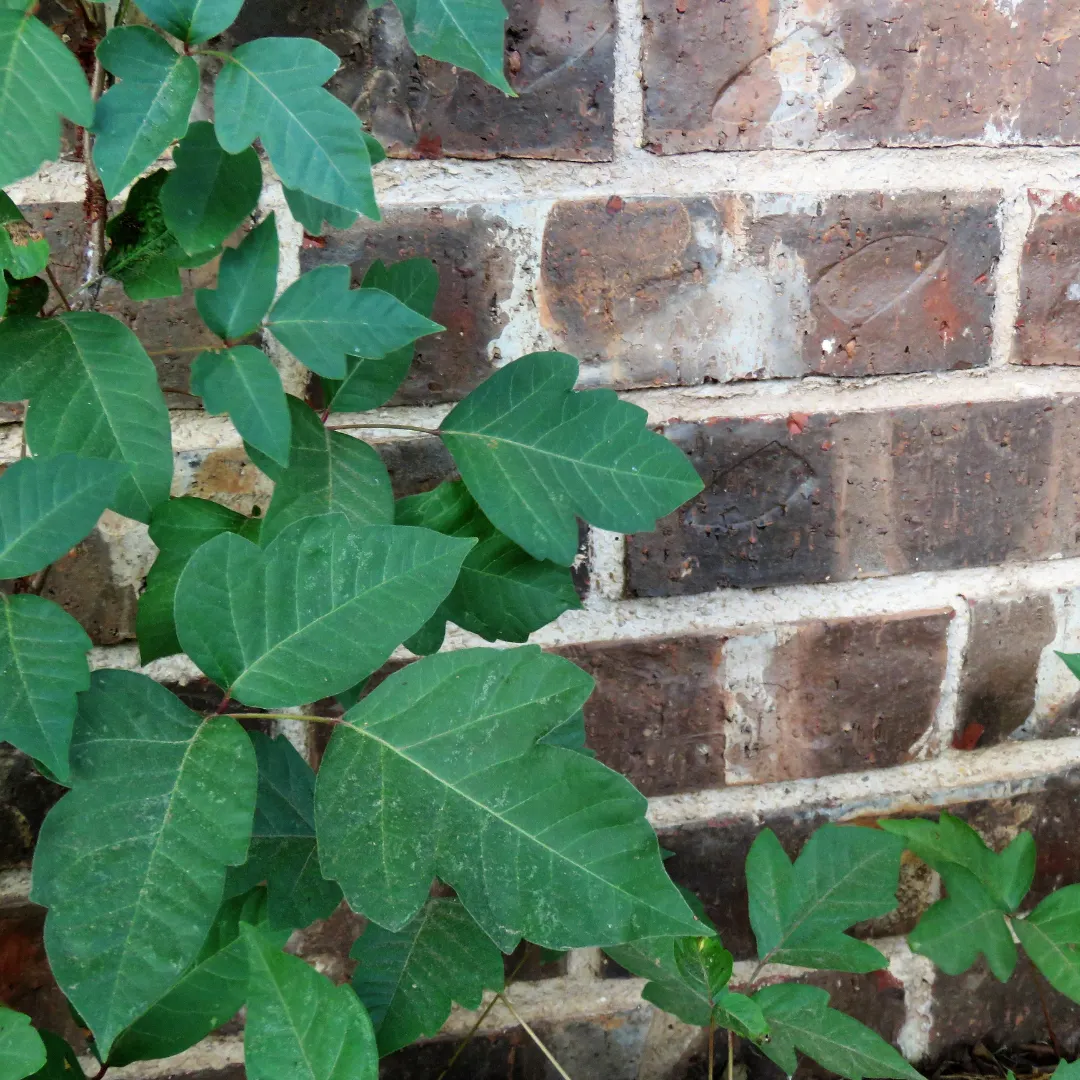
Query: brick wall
[[834, 250]]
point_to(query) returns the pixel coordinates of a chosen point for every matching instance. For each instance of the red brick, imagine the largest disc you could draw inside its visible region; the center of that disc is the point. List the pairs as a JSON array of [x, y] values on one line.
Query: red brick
[[1048, 323], [657, 714], [476, 275], [685, 291], [739, 75], [559, 60], [832, 697], [997, 688], [866, 495]]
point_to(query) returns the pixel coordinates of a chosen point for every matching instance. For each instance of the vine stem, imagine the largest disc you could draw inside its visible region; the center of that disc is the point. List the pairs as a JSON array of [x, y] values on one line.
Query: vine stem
[[730, 1055], [1045, 1007], [279, 716], [56, 285], [712, 1045], [121, 12], [388, 427], [532, 1035]]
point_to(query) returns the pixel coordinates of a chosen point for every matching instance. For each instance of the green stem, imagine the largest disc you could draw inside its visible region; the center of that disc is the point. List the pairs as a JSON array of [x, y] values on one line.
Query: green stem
[[388, 427], [532, 1035], [212, 52], [280, 716], [121, 12], [730, 1055]]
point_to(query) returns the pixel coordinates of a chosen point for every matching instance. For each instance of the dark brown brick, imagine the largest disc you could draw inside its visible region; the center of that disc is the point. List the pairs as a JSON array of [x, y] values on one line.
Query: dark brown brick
[[1048, 323], [739, 75], [508, 1055], [832, 697], [997, 688], [684, 291], [476, 273], [657, 714], [25, 798], [170, 329], [560, 62], [822, 498], [416, 465]]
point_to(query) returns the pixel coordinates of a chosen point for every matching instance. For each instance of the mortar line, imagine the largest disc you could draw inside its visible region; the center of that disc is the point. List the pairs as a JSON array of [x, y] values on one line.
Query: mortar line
[[946, 713], [628, 120], [1014, 219]]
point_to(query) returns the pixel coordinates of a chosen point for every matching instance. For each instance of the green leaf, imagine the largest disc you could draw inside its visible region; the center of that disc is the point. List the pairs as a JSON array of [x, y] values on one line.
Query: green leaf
[[329, 472], [800, 1019], [1066, 1070], [465, 33], [704, 961], [949, 840], [1072, 662], [131, 862], [21, 1050], [967, 922], [62, 1063], [144, 256], [315, 611], [192, 21], [242, 382], [300, 1026], [1051, 937], [503, 593], [409, 979], [210, 993], [271, 89], [313, 213], [210, 193], [371, 383], [41, 78], [47, 505], [147, 110], [24, 252], [42, 667], [247, 281], [322, 322], [535, 455], [437, 773], [93, 392], [843, 875], [283, 850], [179, 528]]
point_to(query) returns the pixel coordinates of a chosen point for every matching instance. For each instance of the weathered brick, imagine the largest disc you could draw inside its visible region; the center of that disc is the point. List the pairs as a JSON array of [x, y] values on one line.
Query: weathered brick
[[829, 697], [25, 798], [506, 1055], [170, 329], [657, 714], [744, 75], [225, 476], [684, 291], [827, 498], [997, 688], [560, 62], [1048, 322], [476, 272]]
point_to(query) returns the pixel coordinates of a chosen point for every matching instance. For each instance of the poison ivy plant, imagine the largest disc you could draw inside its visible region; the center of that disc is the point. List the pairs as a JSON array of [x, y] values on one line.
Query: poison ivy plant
[[21, 1050]]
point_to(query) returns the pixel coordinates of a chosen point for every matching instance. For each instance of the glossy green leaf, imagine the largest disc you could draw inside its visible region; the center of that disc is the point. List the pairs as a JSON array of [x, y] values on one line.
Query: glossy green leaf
[[242, 382], [409, 979], [1072, 662], [149, 108], [503, 593], [437, 772], [313, 214], [41, 78], [968, 922], [192, 21], [42, 667], [24, 252], [704, 961], [144, 256], [1006, 876], [21, 1050], [247, 281], [370, 383], [300, 1026], [161, 804], [322, 322], [179, 527], [315, 611], [329, 472], [283, 851], [93, 392], [731, 1010], [210, 193], [209, 994], [843, 875], [800, 1019], [271, 89], [536, 456], [1050, 935], [61, 1063], [47, 505], [465, 33]]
